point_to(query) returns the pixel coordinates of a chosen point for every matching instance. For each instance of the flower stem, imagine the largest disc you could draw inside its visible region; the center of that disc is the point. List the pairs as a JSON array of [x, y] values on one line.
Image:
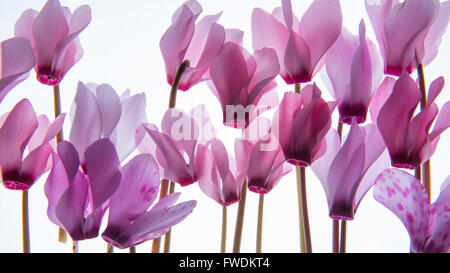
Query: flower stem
[[304, 208], [109, 249], [132, 249], [223, 242], [335, 236], [343, 243], [162, 193], [300, 210], [168, 234], [75, 247], [426, 167], [240, 219], [25, 223], [260, 224]]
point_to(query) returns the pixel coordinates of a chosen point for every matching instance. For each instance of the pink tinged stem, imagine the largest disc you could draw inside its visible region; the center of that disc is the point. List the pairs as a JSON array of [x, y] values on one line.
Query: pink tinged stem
[[343, 243], [162, 193], [300, 214], [25, 223], [308, 244], [335, 236], [426, 167], [240, 219], [339, 243], [260, 224], [168, 234], [223, 242]]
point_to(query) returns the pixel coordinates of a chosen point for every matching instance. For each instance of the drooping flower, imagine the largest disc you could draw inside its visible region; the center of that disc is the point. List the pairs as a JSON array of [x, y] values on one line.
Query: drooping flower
[[53, 33], [99, 112], [428, 225], [300, 45], [175, 145], [21, 128], [300, 125], [16, 59], [354, 69], [347, 172], [79, 197], [185, 40], [130, 222], [219, 176], [240, 80], [408, 138], [402, 30]]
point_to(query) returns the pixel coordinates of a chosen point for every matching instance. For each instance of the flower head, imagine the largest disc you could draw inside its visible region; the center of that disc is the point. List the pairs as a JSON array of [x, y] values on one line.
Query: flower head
[[53, 33]]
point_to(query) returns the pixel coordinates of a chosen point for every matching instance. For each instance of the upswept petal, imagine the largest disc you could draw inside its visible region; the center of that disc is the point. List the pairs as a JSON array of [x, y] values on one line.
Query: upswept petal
[[110, 107]]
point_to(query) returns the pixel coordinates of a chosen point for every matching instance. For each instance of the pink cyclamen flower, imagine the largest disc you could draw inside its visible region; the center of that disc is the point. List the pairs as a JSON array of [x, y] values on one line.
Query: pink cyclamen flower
[[175, 145], [219, 177], [20, 128], [78, 197], [16, 59], [185, 40], [354, 69], [406, 29], [240, 81], [130, 222], [408, 138], [99, 112], [300, 125], [428, 225], [53, 33], [349, 170], [300, 45]]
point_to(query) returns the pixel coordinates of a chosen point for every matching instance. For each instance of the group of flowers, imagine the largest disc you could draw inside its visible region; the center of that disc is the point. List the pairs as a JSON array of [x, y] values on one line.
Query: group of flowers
[[91, 173]]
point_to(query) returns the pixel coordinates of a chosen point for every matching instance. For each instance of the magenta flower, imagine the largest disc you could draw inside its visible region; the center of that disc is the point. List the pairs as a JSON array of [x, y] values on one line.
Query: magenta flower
[[407, 138], [129, 222], [175, 146], [354, 70], [347, 172], [16, 59], [403, 29], [428, 225], [21, 128], [240, 80], [300, 45], [98, 112], [184, 40], [78, 199], [300, 125], [53, 33], [219, 177]]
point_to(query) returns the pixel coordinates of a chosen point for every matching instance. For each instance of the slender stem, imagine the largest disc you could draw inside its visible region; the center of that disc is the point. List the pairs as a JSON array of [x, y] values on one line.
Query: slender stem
[[342, 247], [25, 223], [223, 241], [240, 219], [75, 247], [169, 233], [109, 249], [426, 167], [132, 249], [260, 224], [305, 217], [162, 193], [418, 173], [335, 236], [300, 212]]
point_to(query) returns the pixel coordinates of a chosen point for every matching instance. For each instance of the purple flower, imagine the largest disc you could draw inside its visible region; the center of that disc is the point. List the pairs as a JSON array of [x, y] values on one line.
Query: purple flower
[[16, 59], [53, 33], [300, 45], [428, 225], [347, 172], [21, 128]]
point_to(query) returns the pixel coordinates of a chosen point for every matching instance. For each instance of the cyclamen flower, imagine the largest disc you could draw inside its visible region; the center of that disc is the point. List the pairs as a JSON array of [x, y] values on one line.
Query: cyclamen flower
[[98, 112], [407, 138], [240, 81], [53, 33], [406, 29], [428, 225], [175, 146], [198, 43], [300, 125], [129, 221], [21, 128], [355, 70], [16, 59], [300, 45], [78, 198], [347, 172], [219, 177]]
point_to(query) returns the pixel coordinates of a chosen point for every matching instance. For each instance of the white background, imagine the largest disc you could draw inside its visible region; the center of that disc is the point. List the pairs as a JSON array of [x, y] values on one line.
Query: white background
[[122, 48]]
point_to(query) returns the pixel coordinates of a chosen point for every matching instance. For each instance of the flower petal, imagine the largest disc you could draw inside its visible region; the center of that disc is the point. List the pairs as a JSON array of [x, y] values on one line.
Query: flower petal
[[110, 107]]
